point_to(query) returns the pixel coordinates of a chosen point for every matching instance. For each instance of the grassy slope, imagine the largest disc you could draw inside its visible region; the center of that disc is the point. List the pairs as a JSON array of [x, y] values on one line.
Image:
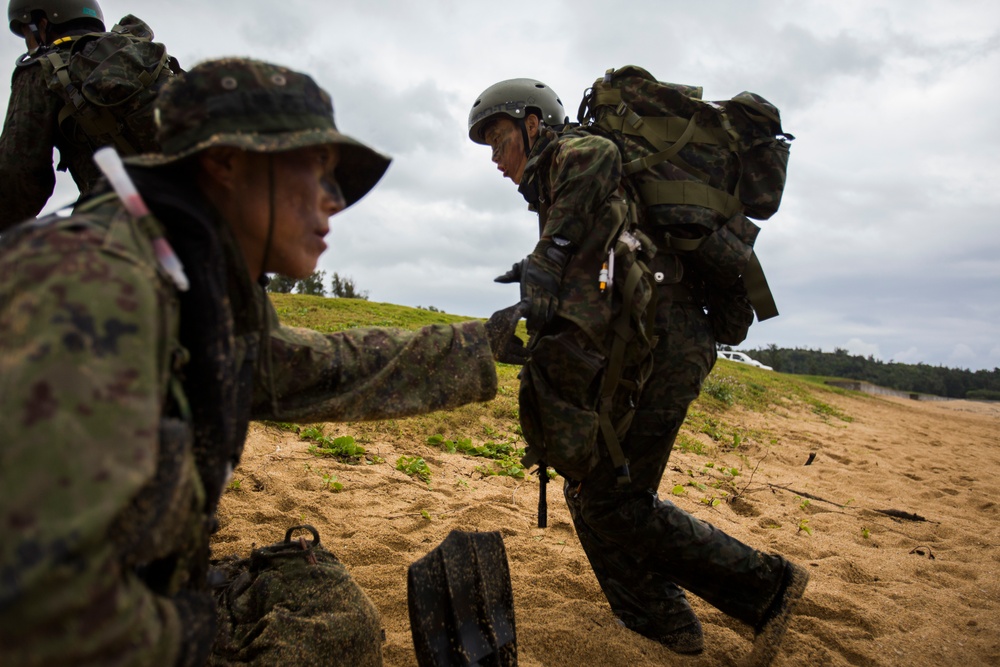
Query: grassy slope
[[724, 448]]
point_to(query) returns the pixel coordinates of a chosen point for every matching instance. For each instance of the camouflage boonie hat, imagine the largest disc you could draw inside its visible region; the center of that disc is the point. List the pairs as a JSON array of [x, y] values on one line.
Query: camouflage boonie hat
[[260, 107]]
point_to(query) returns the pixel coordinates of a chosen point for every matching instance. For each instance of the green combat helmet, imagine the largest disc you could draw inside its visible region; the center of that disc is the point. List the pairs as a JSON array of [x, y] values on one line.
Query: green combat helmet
[[514, 98], [260, 107], [56, 11]]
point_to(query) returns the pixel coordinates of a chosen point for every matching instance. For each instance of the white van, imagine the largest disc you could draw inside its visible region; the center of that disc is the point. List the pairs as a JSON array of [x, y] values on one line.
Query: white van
[[741, 358]]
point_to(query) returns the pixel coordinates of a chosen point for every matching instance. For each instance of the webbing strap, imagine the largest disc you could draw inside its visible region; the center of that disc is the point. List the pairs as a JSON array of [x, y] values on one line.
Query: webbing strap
[[683, 245], [657, 140], [94, 202], [669, 127], [623, 335], [691, 193], [758, 290], [666, 154]]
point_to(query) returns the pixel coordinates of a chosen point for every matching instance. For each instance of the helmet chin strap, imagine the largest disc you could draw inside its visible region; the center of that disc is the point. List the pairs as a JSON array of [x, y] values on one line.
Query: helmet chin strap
[[524, 134], [265, 362], [270, 214], [37, 34]]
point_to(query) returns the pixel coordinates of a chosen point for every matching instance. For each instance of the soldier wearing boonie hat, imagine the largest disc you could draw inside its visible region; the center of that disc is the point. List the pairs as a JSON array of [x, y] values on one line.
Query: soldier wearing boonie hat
[[136, 343], [258, 107]]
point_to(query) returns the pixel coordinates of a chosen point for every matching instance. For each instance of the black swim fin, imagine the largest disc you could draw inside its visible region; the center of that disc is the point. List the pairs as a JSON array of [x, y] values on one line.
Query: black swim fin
[[462, 604]]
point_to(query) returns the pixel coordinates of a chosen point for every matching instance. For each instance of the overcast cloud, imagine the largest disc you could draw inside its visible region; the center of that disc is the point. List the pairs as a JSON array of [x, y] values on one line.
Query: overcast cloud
[[886, 243]]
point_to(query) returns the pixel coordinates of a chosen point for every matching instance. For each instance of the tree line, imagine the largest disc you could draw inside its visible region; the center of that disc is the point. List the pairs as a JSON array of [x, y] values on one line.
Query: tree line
[[920, 378], [315, 285]]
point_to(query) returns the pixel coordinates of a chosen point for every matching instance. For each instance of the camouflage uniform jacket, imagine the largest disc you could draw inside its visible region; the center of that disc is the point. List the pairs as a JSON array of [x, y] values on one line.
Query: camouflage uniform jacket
[[30, 132], [570, 179], [106, 504]]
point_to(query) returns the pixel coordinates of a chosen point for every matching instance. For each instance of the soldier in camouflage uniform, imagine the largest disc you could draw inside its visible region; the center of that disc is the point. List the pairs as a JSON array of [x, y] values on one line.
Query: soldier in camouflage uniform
[[644, 550], [32, 127], [127, 383]]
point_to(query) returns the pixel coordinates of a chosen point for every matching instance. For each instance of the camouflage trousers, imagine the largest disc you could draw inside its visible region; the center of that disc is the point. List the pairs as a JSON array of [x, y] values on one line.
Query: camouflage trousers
[[294, 603], [644, 550]]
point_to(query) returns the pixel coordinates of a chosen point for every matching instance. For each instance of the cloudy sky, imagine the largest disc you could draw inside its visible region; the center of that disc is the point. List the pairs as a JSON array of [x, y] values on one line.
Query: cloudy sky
[[888, 239]]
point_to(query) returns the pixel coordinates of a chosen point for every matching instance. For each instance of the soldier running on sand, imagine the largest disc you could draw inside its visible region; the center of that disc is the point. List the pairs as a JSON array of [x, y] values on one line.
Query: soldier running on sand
[[644, 550]]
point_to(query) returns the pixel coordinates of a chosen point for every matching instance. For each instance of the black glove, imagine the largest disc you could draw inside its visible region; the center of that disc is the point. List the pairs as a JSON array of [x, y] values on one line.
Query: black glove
[[512, 276], [541, 275], [505, 346], [197, 612]]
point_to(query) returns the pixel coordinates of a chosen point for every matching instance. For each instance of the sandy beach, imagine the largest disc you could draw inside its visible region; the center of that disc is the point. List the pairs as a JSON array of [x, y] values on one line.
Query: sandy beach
[[895, 517]]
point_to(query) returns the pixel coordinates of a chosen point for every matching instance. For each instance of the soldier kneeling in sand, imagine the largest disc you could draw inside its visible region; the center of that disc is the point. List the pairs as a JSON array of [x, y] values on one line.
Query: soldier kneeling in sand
[[136, 342]]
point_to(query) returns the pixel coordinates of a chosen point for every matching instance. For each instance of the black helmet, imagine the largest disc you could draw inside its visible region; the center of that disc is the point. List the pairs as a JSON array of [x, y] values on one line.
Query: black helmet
[[56, 11], [514, 98]]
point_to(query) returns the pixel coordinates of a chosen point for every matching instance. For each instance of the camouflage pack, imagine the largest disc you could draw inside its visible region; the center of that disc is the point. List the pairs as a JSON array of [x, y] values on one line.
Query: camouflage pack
[[109, 82], [700, 170]]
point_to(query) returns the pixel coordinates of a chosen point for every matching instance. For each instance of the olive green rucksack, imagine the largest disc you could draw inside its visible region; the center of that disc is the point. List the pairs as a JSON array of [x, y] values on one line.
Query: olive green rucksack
[[700, 170], [109, 82]]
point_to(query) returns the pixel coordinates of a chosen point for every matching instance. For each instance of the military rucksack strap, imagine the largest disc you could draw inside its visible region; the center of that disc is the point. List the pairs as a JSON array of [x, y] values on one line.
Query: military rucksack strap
[[616, 363], [670, 128], [689, 193], [681, 244], [668, 153], [758, 290], [668, 150]]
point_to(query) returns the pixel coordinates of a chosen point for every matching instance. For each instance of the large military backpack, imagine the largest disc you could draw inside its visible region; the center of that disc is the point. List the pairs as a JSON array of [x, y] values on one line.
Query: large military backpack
[[109, 82], [700, 170]]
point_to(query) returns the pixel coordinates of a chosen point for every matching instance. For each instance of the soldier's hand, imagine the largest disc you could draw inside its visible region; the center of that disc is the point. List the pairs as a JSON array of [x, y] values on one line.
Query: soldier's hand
[[512, 276], [505, 346], [540, 279]]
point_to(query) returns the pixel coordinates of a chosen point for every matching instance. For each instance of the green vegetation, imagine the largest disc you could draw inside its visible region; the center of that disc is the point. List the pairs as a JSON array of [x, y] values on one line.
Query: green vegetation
[[329, 315], [414, 465], [343, 448], [715, 447], [505, 456], [330, 482], [917, 378], [314, 285]]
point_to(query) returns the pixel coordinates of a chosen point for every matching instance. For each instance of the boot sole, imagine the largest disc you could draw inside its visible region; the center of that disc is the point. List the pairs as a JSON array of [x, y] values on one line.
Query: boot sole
[[768, 640]]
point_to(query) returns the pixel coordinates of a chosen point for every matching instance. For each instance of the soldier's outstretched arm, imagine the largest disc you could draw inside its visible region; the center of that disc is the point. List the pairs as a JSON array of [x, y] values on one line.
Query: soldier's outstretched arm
[[375, 373], [80, 396], [26, 174]]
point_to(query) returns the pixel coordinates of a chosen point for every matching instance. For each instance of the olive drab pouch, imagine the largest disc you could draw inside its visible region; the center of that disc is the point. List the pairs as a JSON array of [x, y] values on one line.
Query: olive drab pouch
[[764, 152], [722, 256], [698, 168], [293, 603], [559, 401], [729, 313], [108, 82]]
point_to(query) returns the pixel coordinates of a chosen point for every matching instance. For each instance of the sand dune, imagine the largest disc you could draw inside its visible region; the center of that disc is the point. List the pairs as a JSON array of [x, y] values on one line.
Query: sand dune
[[884, 590]]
